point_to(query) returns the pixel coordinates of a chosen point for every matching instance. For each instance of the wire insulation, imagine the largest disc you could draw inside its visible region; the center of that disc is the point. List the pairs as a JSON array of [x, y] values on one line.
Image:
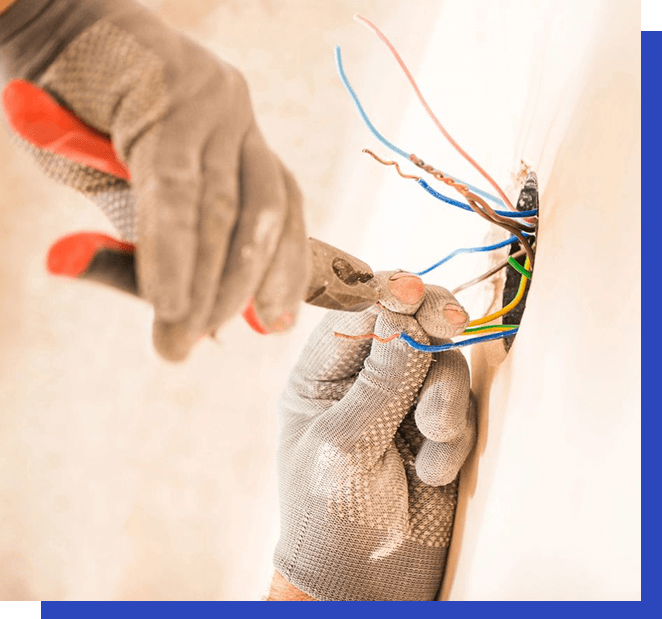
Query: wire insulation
[[355, 98], [357, 103], [478, 205], [442, 347], [507, 308], [440, 196], [487, 274], [519, 268], [468, 250], [488, 328], [428, 109], [430, 348]]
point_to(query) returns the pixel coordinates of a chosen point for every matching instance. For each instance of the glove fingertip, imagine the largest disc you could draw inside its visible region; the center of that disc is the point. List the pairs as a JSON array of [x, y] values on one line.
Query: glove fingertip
[[172, 341], [389, 323], [251, 317], [271, 319]]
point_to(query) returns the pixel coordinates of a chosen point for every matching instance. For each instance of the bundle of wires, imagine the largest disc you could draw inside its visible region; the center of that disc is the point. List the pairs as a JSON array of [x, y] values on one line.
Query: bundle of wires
[[520, 224]]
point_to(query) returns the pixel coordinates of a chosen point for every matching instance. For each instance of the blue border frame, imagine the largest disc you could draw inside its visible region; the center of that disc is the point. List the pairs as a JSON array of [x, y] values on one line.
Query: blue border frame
[[651, 169], [216, 610]]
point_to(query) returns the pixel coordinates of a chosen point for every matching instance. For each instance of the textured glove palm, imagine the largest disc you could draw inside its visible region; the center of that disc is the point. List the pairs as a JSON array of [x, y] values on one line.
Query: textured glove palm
[[216, 216], [367, 499]]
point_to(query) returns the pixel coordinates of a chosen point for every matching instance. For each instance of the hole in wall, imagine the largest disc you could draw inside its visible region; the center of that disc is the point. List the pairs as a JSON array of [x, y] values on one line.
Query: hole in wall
[[528, 200]]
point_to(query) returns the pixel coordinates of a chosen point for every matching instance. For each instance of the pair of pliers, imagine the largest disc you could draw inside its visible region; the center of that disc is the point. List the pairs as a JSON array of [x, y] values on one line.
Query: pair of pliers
[[337, 281]]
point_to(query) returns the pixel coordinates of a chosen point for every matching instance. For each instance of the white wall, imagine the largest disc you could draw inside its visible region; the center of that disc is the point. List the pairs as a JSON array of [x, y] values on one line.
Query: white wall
[[550, 499]]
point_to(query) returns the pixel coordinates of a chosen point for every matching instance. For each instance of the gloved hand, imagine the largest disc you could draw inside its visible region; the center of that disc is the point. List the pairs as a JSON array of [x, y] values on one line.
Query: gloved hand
[[373, 436], [216, 216]]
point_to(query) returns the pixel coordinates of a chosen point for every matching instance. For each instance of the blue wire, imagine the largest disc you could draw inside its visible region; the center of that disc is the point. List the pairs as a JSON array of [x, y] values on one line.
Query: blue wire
[[359, 107], [384, 141], [470, 250], [473, 340], [466, 207], [442, 197]]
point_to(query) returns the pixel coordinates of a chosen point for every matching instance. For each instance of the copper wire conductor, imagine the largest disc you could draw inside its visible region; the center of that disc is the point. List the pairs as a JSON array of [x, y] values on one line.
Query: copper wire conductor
[[438, 174], [475, 202], [395, 163], [368, 336]]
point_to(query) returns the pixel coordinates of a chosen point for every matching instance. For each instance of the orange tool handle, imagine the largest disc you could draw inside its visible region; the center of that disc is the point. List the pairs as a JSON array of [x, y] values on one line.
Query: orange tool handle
[[40, 120]]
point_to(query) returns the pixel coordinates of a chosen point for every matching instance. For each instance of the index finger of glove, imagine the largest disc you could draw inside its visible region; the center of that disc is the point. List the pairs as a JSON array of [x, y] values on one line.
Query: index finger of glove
[[168, 173], [217, 214], [367, 417], [262, 214], [326, 357]]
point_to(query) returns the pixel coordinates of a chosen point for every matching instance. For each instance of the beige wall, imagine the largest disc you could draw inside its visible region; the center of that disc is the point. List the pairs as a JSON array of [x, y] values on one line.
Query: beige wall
[[124, 477], [550, 499]]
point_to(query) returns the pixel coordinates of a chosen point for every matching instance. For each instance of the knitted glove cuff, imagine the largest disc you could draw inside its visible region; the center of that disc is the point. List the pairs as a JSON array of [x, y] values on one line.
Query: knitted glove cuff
[[346, 572]]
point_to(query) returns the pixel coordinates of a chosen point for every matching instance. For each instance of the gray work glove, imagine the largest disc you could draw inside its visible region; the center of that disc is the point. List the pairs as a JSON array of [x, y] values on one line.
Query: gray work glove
[[216, 216], [373, 436]]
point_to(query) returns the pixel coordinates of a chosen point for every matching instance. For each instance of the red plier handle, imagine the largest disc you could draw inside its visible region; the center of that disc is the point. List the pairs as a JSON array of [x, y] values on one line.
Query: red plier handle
[[40, 120]]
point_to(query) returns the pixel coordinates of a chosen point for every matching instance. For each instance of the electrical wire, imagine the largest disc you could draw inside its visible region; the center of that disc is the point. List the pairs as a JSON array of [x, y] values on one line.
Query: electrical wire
[[488, 328], [481, 207], [468, 250], [463, 190], [487, 274], [512, 227], [504, 310], [428, 109], [355, 98], [519, 268], [440, 196], [441, 347], [367, 336], [521, 225], [476, 203], [427, 348], [399, 171], [357, 103]]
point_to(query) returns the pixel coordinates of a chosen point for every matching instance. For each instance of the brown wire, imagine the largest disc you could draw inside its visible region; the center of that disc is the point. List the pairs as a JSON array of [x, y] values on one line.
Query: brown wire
[[472, 199], [506, 220], [440, 176], [395, 163], [464, 190], [474, 202], [367, 336], [489, 273]]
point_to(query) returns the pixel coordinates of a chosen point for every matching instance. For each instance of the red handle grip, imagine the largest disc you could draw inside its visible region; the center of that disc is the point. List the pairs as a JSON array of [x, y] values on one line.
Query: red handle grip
[[37, 118]]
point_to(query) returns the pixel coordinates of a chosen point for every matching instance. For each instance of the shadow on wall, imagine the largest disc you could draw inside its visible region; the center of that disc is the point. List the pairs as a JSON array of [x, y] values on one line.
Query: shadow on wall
[[482, 375]]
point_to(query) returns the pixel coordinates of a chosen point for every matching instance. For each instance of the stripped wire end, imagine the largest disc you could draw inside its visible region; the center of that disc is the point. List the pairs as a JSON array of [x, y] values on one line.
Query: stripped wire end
[[368, 24], [394, 163], [368, 336]]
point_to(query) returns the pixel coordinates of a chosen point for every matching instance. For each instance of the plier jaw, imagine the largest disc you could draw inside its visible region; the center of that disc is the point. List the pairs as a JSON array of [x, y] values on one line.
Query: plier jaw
[[339, 281]]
